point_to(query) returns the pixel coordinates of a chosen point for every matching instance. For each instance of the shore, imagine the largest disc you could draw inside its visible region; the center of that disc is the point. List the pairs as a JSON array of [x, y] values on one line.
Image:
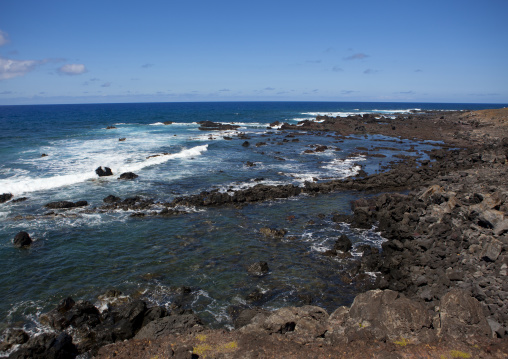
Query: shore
[[440, 288]]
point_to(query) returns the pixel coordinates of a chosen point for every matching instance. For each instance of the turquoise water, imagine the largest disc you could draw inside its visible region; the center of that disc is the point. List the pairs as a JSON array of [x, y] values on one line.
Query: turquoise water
[[83, 252]]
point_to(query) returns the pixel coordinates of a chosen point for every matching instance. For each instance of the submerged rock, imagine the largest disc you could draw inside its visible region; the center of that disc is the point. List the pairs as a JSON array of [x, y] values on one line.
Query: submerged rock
[[258, 268], [272, 232], [22, 239]]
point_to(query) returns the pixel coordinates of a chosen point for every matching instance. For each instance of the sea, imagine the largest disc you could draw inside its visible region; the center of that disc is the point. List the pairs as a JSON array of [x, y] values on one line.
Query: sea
[[196, 260]]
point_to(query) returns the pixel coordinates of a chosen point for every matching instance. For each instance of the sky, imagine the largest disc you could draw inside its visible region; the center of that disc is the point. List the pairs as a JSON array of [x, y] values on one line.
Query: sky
[[67, 51]]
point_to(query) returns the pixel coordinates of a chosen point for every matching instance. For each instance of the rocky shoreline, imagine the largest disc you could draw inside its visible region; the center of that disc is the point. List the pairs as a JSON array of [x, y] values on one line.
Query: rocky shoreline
[[441, 284]]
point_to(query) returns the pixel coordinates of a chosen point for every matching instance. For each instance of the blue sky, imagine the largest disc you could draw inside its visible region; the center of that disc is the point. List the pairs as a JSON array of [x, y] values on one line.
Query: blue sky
[[137, 51]]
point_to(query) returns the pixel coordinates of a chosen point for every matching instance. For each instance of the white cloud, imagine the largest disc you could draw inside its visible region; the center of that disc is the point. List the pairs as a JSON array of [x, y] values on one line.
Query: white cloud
[[72, 69], [14, 68], [4, 38]]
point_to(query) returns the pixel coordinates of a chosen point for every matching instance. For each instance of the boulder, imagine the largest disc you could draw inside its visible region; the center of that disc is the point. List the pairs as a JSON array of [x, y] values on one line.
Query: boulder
[[302, 324], [65, 204], [343, 244], [258, 268], [22, 239], [386, 315], [461, 316], [4, 197], [128, 176], [103, 172]]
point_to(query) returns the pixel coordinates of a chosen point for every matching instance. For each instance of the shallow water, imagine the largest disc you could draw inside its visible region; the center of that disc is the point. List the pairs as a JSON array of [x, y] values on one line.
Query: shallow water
[[84, 253]]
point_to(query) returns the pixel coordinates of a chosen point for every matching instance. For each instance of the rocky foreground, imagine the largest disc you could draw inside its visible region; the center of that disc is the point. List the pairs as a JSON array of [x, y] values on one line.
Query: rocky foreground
[[441, 288]]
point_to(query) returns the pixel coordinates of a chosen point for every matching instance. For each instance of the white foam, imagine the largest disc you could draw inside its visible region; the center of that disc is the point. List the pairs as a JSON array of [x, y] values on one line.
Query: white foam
[[24, 184], [349, 113]]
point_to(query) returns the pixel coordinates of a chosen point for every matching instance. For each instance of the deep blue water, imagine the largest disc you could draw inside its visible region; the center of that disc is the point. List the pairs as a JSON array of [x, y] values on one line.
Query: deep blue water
[[84, 253]]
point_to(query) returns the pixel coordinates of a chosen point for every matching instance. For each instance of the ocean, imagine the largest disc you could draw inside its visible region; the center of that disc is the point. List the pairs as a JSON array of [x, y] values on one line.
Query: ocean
[[50, 152]]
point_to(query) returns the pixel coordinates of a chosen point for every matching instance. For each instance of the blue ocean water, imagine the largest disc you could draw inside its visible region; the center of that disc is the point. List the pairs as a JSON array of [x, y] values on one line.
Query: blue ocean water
[[83, 252]]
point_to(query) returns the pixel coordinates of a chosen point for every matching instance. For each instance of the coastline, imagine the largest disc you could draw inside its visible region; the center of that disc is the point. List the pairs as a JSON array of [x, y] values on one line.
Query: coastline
[[461, 189]]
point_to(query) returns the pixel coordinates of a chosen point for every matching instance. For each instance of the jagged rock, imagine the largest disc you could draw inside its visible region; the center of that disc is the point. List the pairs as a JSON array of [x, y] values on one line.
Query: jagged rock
[[128, 176], [103, 172], [258, 268], [461, 316], [22, 239]]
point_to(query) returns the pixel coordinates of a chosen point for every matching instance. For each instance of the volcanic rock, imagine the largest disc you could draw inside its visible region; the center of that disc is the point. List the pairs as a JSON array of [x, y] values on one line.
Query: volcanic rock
[[22, 239], [214, 126], [5, 197], [103, 172], [273, 232], [128, 176], [258, 268]]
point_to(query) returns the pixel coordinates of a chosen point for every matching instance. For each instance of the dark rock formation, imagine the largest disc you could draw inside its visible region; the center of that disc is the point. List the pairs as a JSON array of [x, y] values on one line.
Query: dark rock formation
[[5, 197], [65, 204], [122, 320], [111, 199], [128, 176], [45, 346], [22, 239], [214, 126], [103, 172]]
